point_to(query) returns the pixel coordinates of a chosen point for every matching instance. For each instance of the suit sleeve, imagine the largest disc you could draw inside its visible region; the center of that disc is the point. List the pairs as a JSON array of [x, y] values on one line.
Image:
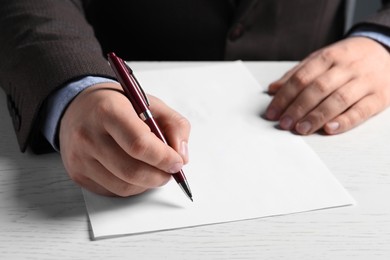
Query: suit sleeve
[[381, 19], [43, 45]]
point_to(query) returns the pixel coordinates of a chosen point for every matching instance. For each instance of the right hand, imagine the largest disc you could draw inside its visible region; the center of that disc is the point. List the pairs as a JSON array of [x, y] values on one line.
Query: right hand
[[107, 149]]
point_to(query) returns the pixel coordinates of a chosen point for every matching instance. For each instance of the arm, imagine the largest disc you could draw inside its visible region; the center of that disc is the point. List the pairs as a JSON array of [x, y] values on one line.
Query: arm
[[104, 146], [43, 45]]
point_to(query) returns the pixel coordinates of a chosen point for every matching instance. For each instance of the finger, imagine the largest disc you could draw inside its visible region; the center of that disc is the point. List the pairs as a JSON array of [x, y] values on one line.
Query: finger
[[355, 115], [136, 138], [92, 186], [299, 80], [131, 171], [175, 127], [90, 174], [314, 94], [277, 84], [103, 182], [79, 170], [335, 104], [83, 181]]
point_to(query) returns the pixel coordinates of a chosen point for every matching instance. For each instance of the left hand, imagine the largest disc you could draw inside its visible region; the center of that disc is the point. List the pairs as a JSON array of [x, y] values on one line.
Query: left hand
[[335, 89]]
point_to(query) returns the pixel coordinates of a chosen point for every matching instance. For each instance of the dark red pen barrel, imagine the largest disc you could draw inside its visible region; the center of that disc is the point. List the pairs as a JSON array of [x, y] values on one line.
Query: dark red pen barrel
[[155, 129], [179, 177]]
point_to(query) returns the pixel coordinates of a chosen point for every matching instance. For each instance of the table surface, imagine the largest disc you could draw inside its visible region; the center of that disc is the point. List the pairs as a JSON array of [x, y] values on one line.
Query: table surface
[[43, 215]]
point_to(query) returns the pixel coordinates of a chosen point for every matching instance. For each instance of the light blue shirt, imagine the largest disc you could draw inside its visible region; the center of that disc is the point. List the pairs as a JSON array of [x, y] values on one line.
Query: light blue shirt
[[58, 102], [373, 32]]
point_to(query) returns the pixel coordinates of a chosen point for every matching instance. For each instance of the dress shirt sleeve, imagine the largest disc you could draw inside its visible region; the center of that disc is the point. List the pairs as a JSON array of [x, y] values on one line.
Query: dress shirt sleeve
[[57, 103], [376, 33]]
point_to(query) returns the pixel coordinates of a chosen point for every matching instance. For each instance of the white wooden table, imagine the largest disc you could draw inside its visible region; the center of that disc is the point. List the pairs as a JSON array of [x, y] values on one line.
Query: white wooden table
[[43, 216]]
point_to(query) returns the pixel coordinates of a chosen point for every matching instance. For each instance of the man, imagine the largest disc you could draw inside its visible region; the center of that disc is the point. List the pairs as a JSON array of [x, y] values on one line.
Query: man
[[60, 88]]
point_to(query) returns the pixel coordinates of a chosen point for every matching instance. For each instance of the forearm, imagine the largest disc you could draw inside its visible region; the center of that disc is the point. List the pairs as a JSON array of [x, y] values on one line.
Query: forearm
[[380, 18], [43, 45]]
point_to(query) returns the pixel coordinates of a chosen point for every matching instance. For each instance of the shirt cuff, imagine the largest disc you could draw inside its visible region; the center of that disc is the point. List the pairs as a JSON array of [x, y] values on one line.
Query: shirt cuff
[[57, 103], [374, 32]]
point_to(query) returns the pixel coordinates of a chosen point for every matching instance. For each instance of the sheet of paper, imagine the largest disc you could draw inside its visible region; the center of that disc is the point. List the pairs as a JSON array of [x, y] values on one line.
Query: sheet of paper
[[240, 167]]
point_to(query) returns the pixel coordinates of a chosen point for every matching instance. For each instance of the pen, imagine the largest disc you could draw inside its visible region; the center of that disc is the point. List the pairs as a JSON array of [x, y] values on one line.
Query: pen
[[138, 99]]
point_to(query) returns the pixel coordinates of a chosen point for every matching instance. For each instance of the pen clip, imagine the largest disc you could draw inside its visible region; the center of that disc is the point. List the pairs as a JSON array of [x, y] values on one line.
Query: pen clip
[[138, 85]]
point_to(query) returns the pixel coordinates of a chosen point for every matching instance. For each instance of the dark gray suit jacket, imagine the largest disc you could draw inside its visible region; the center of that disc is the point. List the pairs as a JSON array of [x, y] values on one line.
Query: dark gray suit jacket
[[46, 44]]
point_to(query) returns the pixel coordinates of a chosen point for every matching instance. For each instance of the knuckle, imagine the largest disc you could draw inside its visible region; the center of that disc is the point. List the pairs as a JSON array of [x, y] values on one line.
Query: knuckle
[[141, 149], [139, 146], [82, 136], [355, 115], [299, 109], [137, 175], [140, 180], [184, 123], [163, 160], [328, 55], [342, 98], [180, 121], [320, 85], [320, 116], [323, 115], [75, 136], [103, 110], [360, 114], [127, 171], [300, 79]]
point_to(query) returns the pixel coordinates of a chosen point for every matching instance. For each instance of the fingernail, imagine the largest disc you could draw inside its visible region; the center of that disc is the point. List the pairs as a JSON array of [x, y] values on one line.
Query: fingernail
[[286, 122], [332, 126], [175, 168], [304, 127], [184, 150]]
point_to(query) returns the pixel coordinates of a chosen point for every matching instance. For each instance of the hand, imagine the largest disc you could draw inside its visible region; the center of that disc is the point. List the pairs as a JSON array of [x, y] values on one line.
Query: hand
[[108, 150], [335, 88]]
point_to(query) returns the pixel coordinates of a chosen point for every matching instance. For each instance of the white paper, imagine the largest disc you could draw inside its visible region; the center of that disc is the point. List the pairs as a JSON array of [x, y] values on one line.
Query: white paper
[[240, 167]]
